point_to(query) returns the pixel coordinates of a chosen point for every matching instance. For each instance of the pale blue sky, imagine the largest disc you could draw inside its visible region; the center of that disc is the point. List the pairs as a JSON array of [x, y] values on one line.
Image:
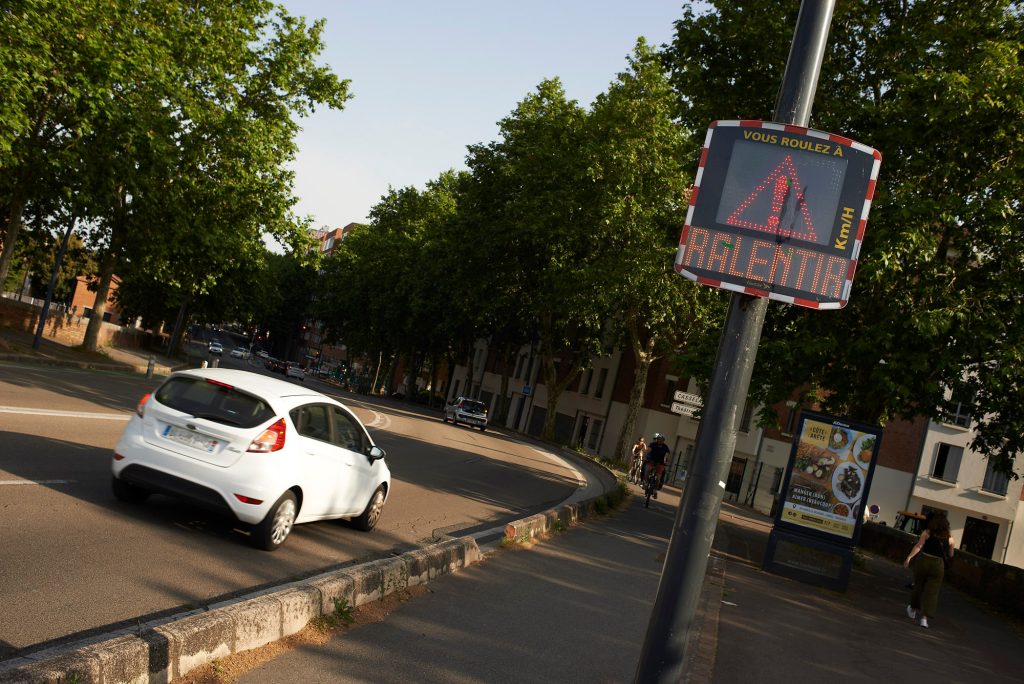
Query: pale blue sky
[[431, 77]]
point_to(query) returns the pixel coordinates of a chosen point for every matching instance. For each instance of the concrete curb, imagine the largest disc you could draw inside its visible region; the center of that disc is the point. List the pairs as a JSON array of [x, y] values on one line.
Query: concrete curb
[[164, 651]]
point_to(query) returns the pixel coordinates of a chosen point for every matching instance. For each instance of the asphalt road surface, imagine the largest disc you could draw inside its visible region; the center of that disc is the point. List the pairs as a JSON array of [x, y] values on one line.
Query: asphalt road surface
[[75, 559]]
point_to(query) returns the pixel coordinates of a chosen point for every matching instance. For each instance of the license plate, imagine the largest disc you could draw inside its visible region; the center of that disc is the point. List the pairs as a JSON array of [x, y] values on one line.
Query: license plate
[[188, 438]]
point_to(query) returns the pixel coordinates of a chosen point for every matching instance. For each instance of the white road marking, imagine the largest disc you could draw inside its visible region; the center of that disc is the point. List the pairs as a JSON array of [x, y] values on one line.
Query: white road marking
[[34, 482], [25, 411], [380, 420]]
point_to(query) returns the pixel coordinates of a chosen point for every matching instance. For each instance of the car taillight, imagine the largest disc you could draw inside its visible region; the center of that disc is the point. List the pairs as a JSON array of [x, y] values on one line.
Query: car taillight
[[271, 439], [140, 408]]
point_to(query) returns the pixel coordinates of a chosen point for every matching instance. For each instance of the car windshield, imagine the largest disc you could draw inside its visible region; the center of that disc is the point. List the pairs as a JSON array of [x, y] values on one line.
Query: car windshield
[[472, 406], [212, 401]]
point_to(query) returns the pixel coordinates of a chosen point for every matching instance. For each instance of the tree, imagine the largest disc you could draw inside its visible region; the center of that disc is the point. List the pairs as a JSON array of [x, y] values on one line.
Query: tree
[[194, 152], [937, 87], [643, 168], [544, 230]]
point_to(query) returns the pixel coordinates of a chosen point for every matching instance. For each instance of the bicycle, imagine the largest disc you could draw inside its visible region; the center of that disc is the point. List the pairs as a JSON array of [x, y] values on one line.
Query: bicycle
[[651, 486], [636, 469]]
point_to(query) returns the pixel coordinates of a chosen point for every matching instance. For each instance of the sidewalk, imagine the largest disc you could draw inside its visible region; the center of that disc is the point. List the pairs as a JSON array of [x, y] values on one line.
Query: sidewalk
[[575, 609], [16, 347]]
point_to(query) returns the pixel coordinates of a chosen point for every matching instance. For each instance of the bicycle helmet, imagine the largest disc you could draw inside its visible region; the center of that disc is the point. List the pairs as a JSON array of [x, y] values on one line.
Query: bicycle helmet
[[657, 436]]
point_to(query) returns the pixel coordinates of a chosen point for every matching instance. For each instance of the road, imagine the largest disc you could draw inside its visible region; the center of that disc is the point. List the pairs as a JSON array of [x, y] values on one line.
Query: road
[[76, 559]]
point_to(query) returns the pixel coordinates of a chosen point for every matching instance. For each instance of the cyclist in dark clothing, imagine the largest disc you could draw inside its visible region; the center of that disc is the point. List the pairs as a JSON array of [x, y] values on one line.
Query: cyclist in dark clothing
[[657, 455]]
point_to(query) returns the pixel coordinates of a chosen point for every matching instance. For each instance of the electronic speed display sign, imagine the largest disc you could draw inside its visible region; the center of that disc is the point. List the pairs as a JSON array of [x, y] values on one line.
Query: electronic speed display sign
[[778, 211]]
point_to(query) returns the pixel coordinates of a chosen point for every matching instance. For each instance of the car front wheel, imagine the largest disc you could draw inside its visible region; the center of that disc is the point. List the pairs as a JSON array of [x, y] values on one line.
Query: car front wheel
[[275, 528], [368, 519]]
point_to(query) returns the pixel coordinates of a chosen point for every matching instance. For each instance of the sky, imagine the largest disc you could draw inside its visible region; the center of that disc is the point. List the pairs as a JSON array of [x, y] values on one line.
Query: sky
[[430, 77]]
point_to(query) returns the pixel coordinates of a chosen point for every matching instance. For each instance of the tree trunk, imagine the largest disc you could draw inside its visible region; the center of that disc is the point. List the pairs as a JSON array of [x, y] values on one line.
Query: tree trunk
[[99, 305], [644, 357], [11, 231], [555, 386]]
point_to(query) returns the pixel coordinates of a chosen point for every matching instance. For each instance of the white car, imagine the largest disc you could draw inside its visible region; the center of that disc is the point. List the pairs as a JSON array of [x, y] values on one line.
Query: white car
[[239, 352], [216, 348], [295, 371], [269, 452]]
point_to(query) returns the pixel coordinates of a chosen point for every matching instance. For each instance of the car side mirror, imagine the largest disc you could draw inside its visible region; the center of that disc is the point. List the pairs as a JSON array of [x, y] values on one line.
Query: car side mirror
[[376, 453]]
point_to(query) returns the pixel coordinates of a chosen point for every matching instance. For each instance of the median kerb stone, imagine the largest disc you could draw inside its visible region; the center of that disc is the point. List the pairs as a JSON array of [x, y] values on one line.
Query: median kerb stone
[[257, 622], [299, 605], [417, 564], [78, 666], [123, 660], [195, 640], [470, 551], [368, 581], [336, 585], [394, 574]]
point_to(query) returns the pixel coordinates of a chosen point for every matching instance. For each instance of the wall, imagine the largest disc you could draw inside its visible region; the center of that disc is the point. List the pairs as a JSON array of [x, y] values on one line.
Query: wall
[[1001, 586], [65, 329]]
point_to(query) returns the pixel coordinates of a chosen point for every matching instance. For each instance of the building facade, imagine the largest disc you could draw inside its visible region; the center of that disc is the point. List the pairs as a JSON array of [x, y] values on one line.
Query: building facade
[[922, 465]]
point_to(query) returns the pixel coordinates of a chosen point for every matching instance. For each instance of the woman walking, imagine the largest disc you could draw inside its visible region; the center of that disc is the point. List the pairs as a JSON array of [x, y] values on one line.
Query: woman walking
[[932, 550]]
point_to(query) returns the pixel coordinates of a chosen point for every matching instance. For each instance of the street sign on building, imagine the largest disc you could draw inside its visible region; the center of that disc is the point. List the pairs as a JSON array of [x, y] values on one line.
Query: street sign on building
[[778, 211], [682, 409]]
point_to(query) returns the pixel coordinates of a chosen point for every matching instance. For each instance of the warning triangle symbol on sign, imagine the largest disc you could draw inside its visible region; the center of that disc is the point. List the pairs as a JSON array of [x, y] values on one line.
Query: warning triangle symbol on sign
[[777, 206]]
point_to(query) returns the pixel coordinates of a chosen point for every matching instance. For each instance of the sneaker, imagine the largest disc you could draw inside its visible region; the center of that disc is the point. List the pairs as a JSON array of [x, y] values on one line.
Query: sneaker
[[911, 613], [924, 621]]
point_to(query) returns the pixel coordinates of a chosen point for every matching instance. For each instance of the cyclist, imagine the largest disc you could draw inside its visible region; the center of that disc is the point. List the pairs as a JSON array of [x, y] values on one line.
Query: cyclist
[[655, 458], [635, 465]]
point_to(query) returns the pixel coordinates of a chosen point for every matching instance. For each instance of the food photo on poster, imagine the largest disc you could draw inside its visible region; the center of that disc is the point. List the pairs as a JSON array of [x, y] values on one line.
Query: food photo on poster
[[829, 472]]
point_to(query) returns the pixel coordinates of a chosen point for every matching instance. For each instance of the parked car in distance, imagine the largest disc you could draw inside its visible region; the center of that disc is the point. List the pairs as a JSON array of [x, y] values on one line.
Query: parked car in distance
[[274, 365], [294, 370], [239, 352], [263, 354], [468, 411], [216, 348], [254, 446]]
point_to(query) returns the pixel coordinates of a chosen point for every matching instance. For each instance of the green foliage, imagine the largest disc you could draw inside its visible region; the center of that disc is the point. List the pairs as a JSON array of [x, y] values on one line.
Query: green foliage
[[168, 126], [938, 87], [343, 611]]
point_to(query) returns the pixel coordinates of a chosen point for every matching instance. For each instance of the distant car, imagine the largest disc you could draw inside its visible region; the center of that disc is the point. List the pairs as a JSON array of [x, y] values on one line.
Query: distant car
[[295, 371], [468, 411], [262, 354], [255, 446], [274, 365], [216, 348], [239, 352]]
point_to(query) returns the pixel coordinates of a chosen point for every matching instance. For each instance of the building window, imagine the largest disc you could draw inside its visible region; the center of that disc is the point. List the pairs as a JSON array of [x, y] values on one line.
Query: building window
[[960, 415], [595, 434], [588, 375], [947, 462], [670, 390], [601, 379], [995, 481], [748, 414], [791, 420]]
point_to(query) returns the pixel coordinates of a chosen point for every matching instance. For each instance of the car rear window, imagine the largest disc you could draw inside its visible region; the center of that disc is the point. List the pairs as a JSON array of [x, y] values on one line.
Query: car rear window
[[472, 406], [220, 403]]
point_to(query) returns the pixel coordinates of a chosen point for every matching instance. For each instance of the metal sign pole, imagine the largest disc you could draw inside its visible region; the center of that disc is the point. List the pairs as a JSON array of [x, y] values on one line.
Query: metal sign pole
[[662, 657]]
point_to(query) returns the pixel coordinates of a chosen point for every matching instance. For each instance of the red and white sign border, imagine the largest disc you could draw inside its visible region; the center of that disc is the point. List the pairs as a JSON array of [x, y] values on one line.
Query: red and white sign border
[[855, 255]]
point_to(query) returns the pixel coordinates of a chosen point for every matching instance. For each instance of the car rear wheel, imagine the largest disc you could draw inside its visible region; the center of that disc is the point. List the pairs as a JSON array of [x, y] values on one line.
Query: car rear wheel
[[275, 528], [368, 519], [483, 428], [128, 492]]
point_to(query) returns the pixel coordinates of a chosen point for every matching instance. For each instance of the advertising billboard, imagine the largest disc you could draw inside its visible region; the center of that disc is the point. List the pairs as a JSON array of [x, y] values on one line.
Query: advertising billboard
[[828, 477]]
